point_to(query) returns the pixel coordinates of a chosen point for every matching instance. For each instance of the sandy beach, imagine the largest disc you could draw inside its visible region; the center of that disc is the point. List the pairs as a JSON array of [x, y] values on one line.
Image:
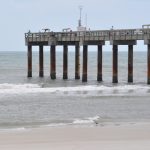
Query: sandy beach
[[124, 137]]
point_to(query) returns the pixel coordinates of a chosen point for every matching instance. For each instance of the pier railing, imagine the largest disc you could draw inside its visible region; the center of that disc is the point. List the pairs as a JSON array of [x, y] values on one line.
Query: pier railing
[[106, 35]]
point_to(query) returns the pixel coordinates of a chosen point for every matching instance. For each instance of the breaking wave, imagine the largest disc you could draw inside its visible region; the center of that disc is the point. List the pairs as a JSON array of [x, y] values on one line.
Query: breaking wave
[[88, 89], [89, 120]]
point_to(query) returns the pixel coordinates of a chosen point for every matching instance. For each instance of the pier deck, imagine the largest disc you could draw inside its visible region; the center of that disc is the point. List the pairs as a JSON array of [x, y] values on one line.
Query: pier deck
[[86, 37]]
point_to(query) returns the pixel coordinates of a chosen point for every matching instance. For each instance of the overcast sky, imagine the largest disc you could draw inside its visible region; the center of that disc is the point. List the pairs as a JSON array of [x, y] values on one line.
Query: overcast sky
[[18, 16]]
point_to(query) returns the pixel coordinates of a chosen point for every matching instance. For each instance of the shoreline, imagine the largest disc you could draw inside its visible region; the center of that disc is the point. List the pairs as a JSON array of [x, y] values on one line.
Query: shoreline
[[94, 124], [125, 137]]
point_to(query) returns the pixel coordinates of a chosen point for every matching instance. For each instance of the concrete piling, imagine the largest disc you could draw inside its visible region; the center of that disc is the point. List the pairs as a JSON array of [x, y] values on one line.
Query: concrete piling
[[130, 63], [85, 60], [77, 61], [65, 62], [29, 61], [148, 65], [99, 63], [41, 61], [53, 62], [115, 64]]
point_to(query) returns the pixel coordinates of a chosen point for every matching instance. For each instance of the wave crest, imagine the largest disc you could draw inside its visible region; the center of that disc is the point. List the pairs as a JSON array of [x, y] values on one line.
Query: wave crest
[[92, 90], [89, 120]]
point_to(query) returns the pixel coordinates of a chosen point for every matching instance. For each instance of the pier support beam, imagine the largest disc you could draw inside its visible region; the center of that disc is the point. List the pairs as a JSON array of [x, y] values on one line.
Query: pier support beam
[[130, 63], [85, 60], [99, 63], [148, 64], [77, 61], [115, 64], [41, 60], [29, 61], [53, 62], [65, 62]]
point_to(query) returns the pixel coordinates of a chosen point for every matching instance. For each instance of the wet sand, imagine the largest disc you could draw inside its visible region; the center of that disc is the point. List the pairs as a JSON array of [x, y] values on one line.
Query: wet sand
[[124, 137]]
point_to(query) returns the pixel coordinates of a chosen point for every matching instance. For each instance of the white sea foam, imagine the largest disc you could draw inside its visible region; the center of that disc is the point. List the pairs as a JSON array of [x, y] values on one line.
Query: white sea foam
[[19, 129], [86, 121], [56, 125], [78, 90], [89, 120], [18, 86]]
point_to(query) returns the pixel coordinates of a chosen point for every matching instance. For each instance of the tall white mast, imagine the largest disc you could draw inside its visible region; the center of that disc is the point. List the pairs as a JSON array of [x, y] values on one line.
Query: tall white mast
[[80, 27], [80, 19]]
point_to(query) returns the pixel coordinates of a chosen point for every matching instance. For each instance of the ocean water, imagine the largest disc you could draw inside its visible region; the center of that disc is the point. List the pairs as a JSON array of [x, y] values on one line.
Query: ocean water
[[35, 102]]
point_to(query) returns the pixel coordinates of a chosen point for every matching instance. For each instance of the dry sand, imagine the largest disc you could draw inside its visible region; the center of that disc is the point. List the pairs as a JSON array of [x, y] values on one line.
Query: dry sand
[[125, 137]]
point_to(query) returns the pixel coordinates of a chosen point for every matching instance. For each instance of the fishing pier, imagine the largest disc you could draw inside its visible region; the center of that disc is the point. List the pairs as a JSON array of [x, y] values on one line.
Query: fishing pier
[[85, 38]]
